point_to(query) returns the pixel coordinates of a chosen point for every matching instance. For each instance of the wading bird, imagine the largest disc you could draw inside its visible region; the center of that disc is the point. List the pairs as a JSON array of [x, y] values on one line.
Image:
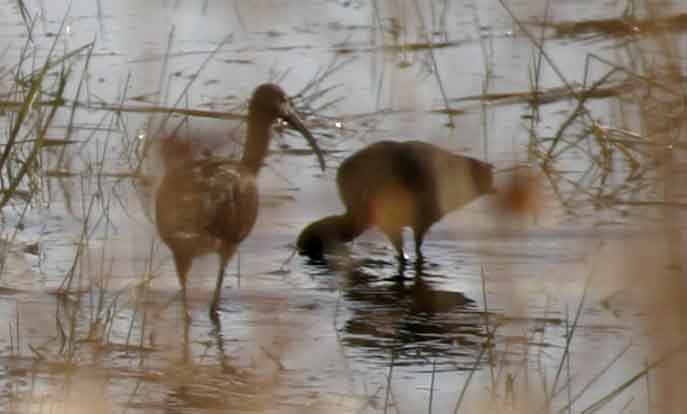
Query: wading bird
[[210, 205], [392, 185]]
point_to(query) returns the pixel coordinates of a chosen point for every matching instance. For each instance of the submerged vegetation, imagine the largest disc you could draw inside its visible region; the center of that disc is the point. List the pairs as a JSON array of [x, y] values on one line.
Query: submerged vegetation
[[564, 293]]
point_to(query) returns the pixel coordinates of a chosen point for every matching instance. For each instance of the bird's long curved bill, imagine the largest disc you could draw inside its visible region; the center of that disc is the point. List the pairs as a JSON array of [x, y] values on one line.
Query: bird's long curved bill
[[297, 124]]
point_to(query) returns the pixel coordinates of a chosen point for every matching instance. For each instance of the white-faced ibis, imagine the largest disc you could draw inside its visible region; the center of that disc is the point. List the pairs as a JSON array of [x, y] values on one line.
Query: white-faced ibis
[[210, 205], [392, 185]]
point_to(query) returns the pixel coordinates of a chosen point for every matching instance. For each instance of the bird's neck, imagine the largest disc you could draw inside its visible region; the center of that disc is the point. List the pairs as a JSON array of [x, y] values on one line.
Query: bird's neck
[[257, 142]]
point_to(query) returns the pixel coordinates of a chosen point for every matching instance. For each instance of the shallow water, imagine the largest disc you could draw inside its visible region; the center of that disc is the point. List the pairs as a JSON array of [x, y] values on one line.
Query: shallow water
[[489, 311]]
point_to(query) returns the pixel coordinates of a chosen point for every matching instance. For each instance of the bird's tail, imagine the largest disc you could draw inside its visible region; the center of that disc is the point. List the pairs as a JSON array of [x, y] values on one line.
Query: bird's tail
[[483, 176]]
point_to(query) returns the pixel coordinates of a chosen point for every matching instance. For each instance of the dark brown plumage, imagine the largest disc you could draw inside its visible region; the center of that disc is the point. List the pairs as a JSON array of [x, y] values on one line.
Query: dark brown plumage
[[210, 205], [392, 185]]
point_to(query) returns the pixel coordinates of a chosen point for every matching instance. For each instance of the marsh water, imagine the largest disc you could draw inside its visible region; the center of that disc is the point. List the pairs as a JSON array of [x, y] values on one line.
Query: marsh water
[[547, 310]]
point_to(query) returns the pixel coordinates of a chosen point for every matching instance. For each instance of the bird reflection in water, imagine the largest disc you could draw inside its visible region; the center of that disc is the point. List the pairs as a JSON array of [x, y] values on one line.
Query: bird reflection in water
[[206, 378], [406, 313]]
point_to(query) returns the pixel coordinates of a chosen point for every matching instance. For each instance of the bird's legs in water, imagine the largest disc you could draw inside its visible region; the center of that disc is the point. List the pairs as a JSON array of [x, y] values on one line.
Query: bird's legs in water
[[225, 253], [396, 237], [221, 353], [419, 234], [186, 351], [218, 288], [183, 265]]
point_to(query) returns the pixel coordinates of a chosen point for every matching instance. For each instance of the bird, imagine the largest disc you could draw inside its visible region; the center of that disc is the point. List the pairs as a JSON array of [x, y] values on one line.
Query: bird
[[210, 205], [391, 185]]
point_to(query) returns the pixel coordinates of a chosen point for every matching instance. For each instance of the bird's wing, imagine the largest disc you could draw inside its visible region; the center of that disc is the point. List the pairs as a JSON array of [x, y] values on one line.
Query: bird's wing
[[193, 197], [232, 204]]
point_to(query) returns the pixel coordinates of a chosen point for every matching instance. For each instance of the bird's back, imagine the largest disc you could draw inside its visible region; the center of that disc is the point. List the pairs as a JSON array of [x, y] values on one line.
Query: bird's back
[[384, 183], [205, 201], [459, 179], [423, 175]]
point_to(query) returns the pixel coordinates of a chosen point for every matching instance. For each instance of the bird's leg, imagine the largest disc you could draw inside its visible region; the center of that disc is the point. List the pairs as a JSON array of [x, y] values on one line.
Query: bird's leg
[[184, 303], [183, 264], [396, 237], [400, 276], [186, 351], [221, 354], [224, 255], [419, 234]]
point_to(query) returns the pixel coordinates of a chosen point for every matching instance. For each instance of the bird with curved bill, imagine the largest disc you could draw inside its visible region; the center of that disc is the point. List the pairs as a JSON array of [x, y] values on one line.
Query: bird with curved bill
[[391, 185], [210, 205]]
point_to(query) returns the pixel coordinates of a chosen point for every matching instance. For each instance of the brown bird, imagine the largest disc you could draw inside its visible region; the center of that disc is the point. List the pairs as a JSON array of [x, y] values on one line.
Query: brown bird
[[392, 185], [210, 205]]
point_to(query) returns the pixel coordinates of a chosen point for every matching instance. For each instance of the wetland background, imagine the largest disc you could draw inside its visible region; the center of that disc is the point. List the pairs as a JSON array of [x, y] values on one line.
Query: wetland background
[[567, 296]]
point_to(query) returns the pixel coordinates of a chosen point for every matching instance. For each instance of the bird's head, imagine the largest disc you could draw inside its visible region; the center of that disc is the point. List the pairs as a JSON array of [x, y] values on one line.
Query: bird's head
[[270, 102], [323, 236]]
